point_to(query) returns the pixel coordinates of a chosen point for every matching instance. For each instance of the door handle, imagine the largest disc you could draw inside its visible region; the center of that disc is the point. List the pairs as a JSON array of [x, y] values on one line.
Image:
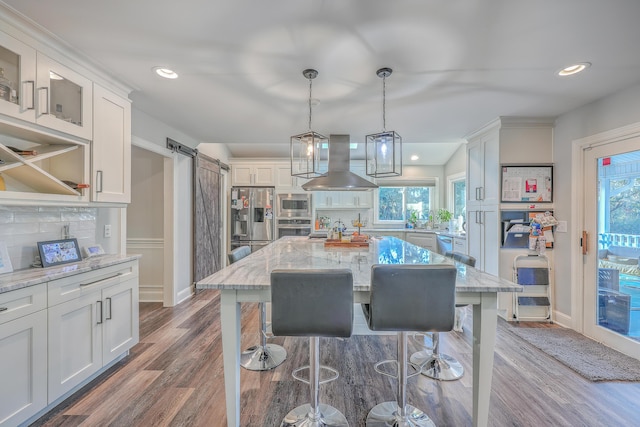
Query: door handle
[[46, 103], [584, 242], [33, 95], [98, 181], [109, 305], [99, 322]]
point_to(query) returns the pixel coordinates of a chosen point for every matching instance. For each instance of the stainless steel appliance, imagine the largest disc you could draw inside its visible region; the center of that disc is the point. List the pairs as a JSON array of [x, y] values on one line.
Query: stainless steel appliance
[[293, 227], [252, 217], [294, 206]]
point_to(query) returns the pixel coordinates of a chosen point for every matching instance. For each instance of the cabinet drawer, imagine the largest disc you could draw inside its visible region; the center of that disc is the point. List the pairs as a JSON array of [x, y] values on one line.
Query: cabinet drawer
[[18, 303], [71, 287]]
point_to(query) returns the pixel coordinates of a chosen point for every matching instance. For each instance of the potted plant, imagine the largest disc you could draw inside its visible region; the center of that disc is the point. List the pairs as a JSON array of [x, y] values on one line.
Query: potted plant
[[443, 217]]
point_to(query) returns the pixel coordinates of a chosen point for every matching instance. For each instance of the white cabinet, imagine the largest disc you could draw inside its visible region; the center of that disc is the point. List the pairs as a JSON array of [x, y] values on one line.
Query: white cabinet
[[284, 182], [23, 354], [460, 245], [424, 240], [260, 174], [18, 63], [111, 148], [483, 238], [93, 318], [343, 199], [483, 171], [63, 98]]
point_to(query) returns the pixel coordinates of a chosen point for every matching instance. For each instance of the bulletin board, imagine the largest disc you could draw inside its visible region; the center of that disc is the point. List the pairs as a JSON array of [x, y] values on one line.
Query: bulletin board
[[527, 184]]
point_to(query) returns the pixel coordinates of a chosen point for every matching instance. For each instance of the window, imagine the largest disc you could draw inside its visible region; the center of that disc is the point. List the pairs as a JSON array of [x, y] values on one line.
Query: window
[[458, 195], [396, 204]]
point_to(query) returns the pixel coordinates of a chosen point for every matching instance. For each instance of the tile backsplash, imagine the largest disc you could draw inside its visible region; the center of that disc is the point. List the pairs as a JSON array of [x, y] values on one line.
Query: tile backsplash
[[21, 227]]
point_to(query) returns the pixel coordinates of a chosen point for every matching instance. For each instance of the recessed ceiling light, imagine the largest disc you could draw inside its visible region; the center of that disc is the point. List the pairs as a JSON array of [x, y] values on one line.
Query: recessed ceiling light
[[165, 72], [574, 69], [414, 157]]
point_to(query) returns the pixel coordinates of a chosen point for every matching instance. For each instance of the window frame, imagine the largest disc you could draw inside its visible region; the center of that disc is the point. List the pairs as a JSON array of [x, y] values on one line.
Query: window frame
[[433, 197], [451, 180]]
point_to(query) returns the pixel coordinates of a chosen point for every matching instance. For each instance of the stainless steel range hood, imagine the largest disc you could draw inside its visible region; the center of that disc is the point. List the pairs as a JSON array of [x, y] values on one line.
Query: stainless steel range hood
[[339, 178]]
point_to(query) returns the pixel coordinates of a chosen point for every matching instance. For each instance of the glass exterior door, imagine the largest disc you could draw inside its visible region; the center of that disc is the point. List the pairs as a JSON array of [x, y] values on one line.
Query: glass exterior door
[[612, 222]]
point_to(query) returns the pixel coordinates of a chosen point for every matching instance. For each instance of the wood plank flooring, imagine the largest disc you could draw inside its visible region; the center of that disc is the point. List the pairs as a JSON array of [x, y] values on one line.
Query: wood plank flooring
[[174, 377]]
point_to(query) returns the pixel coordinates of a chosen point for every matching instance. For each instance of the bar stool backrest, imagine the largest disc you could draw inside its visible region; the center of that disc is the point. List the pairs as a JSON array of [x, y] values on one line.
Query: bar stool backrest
[[238, 253], [417, 297], [312, 303]]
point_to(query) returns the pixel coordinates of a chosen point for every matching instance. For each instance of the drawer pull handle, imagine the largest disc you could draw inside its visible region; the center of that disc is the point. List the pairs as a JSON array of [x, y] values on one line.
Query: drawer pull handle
[[109, 315], [99, 322], [4, 308], [101, 280]]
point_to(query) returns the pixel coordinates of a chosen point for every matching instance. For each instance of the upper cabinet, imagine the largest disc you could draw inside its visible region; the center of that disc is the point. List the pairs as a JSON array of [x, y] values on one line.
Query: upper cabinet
[[18, 78], [37, 89], [111, 150], [258, 174], [483, 168], [63, 99], [59, 141]]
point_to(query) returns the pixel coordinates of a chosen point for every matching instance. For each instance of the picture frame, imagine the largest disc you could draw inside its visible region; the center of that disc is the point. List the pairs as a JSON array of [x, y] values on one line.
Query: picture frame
[[531, 183], [5, 261], [56, 252], [93, 251]]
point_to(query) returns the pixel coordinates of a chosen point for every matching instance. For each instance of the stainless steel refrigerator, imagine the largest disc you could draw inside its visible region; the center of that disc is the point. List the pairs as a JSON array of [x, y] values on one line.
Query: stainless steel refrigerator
[[252, 222]]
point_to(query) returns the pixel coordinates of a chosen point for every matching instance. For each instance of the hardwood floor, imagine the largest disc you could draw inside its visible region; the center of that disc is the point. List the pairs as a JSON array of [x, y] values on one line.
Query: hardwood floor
[[173, 377]]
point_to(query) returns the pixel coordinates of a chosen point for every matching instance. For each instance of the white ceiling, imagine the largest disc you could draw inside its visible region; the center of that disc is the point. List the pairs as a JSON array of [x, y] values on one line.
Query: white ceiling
[[458, 64]]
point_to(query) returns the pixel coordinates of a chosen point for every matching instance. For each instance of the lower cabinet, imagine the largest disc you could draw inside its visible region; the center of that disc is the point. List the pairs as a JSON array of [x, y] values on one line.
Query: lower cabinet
[[424, 240], [23, 368], [97, 324]]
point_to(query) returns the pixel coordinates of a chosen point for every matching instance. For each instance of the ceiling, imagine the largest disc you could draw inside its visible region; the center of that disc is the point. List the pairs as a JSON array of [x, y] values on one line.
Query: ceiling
[[457, 64]]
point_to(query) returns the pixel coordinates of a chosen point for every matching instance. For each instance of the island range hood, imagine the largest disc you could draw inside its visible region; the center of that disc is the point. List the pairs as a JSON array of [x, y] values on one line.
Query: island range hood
[[339, 177]]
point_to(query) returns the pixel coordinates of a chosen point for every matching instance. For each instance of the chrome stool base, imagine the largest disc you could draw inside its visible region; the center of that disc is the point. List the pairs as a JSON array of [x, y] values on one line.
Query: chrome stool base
[[387, 415], [259, 358], [442, 367], [303, 417], [421, 357]]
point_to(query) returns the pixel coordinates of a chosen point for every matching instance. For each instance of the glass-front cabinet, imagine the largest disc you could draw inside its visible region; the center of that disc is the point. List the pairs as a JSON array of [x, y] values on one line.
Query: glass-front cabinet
[[17, 78], [37, 89], [63, 98]]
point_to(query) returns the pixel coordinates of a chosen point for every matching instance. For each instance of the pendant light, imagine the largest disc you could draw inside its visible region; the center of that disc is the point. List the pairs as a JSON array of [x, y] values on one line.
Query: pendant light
[[384, 150], [306, 147]]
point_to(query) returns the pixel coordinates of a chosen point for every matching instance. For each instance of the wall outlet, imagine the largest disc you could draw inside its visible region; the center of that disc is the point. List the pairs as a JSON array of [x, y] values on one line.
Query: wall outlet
[[561, 227], [107, 230]]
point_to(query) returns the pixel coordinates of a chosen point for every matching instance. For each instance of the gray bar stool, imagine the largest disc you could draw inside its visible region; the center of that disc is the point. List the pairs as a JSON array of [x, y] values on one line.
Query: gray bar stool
[[314, 304], [264, 356], [436, 365], [410, 297]]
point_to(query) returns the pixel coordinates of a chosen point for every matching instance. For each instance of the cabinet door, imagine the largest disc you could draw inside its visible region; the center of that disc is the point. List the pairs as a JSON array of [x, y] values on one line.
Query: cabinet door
[[475, 232], [460, 245], [63, 98], [284, 180], [475, 173], [491, 168], [111, 150], [23, 368], [120, 326], [242, 175], [18, 63], [75, 342], [263, 175], [491, 240]]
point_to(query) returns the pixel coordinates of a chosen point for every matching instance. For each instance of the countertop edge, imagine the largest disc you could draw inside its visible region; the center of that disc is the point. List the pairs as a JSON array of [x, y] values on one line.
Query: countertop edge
[[34, 276]]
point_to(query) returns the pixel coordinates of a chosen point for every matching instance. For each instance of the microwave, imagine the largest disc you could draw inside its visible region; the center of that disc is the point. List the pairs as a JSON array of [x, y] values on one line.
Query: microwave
[[293, 205]]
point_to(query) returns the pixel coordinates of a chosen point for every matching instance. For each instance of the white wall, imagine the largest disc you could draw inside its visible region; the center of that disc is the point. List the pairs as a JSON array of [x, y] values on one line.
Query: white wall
[[614, 111]]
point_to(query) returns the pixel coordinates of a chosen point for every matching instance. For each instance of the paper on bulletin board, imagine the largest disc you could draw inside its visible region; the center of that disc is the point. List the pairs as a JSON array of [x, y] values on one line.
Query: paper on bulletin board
[[527, 183]]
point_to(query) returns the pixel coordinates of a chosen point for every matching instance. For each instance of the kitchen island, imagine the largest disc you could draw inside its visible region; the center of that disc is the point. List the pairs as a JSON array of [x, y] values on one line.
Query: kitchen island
[[248, 280]]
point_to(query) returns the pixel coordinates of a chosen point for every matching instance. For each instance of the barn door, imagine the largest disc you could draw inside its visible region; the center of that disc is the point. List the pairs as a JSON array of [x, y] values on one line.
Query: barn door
[[207, 216]]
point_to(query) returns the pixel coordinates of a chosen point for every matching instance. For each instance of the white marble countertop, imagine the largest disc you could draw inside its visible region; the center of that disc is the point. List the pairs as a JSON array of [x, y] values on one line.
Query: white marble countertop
[[34, 276], [253, 272]]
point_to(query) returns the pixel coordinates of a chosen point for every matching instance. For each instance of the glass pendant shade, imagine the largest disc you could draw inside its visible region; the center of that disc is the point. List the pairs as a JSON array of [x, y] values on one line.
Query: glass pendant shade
[[384, 154], [383, 150], [307, 147], [306, 154]]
